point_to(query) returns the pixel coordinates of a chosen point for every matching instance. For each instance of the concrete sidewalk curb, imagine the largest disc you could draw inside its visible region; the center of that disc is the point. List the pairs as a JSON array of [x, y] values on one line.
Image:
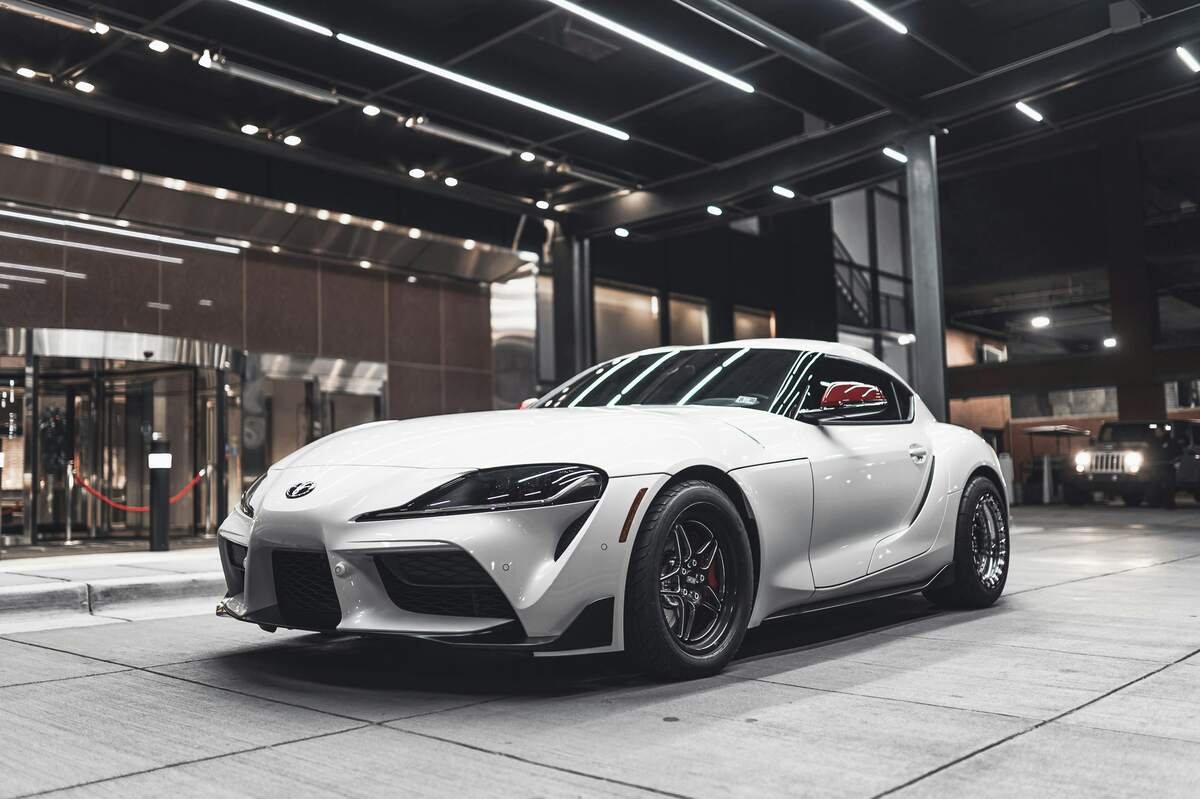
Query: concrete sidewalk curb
[[111, 594], [58, 603]]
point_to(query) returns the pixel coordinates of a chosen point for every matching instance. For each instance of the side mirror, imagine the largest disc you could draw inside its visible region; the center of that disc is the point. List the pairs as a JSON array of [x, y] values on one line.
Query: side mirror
[[846, 400], [527, 403]]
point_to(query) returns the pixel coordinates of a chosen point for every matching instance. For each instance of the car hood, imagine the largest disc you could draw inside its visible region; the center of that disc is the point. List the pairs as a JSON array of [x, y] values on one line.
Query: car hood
[[621, 441]]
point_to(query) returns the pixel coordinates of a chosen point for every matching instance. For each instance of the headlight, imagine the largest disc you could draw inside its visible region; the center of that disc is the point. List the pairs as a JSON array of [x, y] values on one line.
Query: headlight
[[244, 503], [1133, 462], [509, 488], [1082, 460]]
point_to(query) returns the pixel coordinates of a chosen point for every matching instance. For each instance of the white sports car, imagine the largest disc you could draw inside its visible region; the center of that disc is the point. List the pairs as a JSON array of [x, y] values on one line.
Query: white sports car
[[659, 503]]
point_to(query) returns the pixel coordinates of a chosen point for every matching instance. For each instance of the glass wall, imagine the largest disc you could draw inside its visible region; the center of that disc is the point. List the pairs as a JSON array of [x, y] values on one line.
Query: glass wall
[[627, 320], [689, 321], [753, 323]]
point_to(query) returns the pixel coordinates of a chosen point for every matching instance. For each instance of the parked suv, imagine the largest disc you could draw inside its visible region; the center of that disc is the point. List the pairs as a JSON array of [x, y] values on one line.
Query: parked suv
[[1138, 461]]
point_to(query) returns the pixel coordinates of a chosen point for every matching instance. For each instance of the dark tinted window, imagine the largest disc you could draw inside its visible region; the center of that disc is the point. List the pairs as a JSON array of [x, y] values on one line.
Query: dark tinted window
[[1136, 432], [829, 369], [744, 378]]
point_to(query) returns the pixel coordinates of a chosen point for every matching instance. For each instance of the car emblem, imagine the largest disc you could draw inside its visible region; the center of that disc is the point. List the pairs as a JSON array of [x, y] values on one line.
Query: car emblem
[[299, 490]]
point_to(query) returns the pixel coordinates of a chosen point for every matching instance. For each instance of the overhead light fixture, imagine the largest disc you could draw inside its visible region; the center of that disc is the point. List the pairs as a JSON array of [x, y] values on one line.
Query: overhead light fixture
[[283, 16], [411, 278], [653, 44], [220, 64], [291, 140], [371, 110], [100, 28], [1109, 342], [78, 245], [715, 210], [289, 208], [487, 88], [542, 205], [377, 225], [250, 130], [205, 59], [784, 191], [895, 155], [1186, 57], [84, 86], [159, 46], [416, 173], [41, 281], [881, 15], [1029, 111], [221, 194], [364, 264], [122, 223], [528, 157], [26, 72], [414, 232], [469, 244], [904, 339], [423, 125], [120, 231], [1040, 322], [451, 181], [528, 257], [322, 215], [43, 270], [344, 219], [621, 233], [275, 248]]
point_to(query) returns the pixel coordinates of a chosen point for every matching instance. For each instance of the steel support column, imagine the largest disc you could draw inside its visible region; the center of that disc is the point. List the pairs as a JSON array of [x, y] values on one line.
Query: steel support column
[[220, 480], [570, 258], [32, 466], [925, 257]]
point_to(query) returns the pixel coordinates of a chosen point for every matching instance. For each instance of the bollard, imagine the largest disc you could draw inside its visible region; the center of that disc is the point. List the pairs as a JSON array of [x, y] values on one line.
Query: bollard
[[159, 461]]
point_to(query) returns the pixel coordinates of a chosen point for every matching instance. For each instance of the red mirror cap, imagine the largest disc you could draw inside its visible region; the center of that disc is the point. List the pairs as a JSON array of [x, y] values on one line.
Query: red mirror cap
[[838, 395], [527, 403]]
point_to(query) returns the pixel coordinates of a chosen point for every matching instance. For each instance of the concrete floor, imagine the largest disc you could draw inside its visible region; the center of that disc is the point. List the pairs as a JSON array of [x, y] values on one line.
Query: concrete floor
[[1083, 680]]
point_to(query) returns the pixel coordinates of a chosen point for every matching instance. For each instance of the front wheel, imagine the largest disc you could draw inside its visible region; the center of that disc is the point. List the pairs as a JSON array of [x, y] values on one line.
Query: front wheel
[[691, 583], [981, 549]]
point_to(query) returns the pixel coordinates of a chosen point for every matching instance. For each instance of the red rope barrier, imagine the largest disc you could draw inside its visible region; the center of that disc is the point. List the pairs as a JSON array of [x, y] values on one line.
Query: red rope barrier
[[183, 492]]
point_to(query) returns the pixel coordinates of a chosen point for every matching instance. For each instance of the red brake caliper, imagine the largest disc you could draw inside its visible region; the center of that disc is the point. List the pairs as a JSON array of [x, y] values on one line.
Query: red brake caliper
[[712, 575]]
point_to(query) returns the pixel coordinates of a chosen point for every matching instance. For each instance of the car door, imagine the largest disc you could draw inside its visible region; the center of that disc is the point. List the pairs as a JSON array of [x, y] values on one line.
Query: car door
[[870, 471]]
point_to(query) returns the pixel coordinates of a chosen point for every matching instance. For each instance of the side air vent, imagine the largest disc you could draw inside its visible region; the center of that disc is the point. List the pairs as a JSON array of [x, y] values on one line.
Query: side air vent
[[236, 553], [304, 590], [443, 583]]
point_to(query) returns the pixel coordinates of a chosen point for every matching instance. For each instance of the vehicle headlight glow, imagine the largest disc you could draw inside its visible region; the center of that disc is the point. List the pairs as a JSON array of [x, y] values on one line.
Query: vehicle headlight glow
[[1082, 460], [1133, 462], [245, 503], [508, 488]]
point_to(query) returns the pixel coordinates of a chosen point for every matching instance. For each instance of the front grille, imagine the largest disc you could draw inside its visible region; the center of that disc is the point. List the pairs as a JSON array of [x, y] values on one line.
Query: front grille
[[1108, 462], [304, 590], [236, 553], [450, 583]]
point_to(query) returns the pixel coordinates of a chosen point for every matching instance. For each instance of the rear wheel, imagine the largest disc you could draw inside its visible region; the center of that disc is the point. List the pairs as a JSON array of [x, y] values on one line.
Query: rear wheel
[[981, 549], [690, 585]]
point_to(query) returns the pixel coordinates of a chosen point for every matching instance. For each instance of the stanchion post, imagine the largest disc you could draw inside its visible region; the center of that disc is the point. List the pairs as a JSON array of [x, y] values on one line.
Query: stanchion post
[[159, 462]]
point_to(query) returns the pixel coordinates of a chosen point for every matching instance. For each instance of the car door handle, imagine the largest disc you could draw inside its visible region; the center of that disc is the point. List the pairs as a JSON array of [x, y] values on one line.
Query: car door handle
[[918, 453]]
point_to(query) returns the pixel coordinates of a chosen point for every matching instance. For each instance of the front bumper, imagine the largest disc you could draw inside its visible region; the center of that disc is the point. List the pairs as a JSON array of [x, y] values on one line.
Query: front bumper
[[1111, 481], [480, 579]]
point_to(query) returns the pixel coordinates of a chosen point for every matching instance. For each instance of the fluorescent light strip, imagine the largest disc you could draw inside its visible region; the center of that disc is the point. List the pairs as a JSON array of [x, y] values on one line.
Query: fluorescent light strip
[[41, 281], [43, 270], [78, 245], [719, 23], [881, 15], [895, 155], [486, 88], [1185, 55], [132, 234], [653, 44], [299, 22], [1029, 111]]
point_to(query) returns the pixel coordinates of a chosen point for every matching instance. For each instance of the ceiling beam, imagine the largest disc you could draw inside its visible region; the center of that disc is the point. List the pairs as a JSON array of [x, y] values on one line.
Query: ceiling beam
[[799, 156]]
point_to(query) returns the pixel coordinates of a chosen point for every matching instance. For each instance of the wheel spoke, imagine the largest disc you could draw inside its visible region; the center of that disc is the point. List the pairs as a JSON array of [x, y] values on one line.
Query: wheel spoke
[[687, 618], [710, 600]]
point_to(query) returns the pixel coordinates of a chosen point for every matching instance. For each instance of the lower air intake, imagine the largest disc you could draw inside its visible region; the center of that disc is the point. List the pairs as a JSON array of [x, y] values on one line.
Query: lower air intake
[[450, 583], [304, 590]]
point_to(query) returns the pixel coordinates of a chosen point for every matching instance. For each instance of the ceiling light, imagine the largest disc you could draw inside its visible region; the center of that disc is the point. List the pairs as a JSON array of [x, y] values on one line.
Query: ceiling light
[[714, 210], [1184, 54], [416, 173], [43, 270], [377, 225], [275, 248], [205, 59], [526, 255], [78, 245], [41, 281], [159, 46], [132, 234], [621, 233], [653, 44], [26, 72], [542, 204], [451, 181], [487, 88], [528, 156], [122, 223], [904, 339], [414, 232], [1030, 111], [322, 214], [291, 19], [1110, 342], [249, 129], [221, 194], [365, 264], [289, 208], [371, 110], [344, 219], [291, 140], [469, 244], [784, 191], [412, 278], [84, 86], [895, 155], [1040, 321], [100, 28], [880, 15]]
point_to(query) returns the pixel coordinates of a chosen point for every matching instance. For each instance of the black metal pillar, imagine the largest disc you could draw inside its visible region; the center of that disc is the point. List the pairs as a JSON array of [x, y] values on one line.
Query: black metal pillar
[[925, 256], [32, 465], [570, 258], [220, 483], [159, 462]]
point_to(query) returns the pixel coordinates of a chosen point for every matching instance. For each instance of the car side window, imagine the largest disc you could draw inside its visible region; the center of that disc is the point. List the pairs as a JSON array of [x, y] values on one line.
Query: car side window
[[831, 369]]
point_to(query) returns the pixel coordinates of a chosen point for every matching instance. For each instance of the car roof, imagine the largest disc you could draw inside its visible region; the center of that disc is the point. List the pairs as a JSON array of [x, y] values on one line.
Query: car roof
[[834, 348]]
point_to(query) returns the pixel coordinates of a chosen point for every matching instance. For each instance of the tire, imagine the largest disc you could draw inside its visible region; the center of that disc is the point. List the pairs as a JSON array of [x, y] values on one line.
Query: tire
[[1133, 497], [1074, 495], [983, 519], [718, 596]]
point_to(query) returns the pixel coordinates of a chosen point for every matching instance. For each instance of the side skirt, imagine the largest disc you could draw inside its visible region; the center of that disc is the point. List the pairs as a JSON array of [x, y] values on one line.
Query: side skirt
[[944, 576]]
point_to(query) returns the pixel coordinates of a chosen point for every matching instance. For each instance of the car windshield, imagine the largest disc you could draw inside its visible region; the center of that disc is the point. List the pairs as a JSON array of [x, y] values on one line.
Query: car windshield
[[741, 378], [1135, 433]]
